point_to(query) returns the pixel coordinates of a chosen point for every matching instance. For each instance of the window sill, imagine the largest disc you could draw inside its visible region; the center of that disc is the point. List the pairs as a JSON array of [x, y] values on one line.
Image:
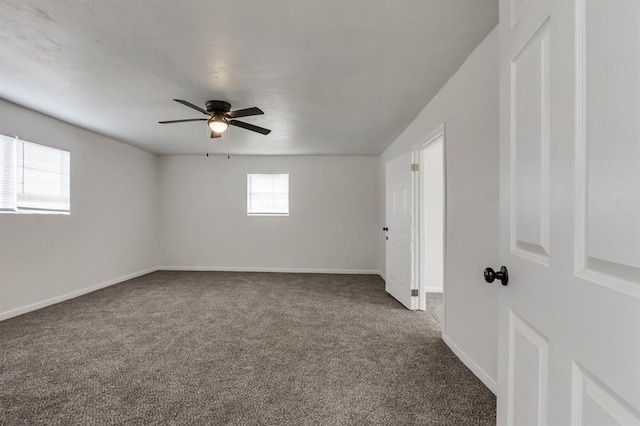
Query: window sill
[[35, 212], [267, 214]]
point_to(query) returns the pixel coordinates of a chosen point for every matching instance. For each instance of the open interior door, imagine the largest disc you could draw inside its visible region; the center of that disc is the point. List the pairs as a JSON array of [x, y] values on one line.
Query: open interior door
[[569, 323], [398, 231]]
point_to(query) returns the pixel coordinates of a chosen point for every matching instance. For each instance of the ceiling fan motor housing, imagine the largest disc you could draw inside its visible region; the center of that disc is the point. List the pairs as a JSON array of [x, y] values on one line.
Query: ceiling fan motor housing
[[218, 107]]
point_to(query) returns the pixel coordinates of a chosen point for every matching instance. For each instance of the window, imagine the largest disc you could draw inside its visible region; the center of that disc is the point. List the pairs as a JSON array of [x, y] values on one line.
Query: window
[[35, 178], [268, 194]]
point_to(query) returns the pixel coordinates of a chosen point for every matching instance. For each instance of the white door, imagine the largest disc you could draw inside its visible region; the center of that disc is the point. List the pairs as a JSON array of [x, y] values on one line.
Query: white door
[[569, 324], [398, 230]]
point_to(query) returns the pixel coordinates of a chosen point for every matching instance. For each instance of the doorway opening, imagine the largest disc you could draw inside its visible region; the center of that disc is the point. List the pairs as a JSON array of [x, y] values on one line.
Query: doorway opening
[[430, 196]]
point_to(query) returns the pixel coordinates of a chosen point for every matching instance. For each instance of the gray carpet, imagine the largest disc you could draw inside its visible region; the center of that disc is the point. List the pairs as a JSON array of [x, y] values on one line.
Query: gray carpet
[[235, 348], [435, 306]]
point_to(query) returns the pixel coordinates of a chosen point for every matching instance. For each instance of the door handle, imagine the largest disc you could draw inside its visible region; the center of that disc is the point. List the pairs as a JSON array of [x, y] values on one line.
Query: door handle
[[503, 276]]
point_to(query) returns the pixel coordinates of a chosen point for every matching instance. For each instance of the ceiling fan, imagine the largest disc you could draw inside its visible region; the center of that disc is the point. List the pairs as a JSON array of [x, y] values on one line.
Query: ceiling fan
[[221, 117]]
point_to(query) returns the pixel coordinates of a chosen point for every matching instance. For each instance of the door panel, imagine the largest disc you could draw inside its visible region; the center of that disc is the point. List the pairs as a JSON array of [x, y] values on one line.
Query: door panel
[[569, 331], [596, 404], [530, 148], [607, 234], [528, 353], [398, 221]]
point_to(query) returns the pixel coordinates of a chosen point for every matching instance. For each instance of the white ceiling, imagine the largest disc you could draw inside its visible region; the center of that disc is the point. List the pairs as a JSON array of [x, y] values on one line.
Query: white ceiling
[[333, 77]]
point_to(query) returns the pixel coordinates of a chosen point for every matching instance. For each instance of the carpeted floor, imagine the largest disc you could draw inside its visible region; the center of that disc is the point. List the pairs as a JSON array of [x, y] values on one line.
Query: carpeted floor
[[235, 348], [435, 306]]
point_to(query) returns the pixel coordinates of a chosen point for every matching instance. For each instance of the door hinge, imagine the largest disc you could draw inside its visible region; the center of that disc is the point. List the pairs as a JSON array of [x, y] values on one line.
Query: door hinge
[[415, 167], [414, 293]]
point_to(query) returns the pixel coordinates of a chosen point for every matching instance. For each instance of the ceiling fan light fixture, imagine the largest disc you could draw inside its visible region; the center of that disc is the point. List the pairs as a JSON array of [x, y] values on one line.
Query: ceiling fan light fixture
[[220, 117], [218, 124]]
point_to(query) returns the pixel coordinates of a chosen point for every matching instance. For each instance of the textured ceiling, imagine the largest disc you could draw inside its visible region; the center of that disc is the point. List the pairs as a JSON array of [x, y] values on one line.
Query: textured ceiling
[[333, 77]]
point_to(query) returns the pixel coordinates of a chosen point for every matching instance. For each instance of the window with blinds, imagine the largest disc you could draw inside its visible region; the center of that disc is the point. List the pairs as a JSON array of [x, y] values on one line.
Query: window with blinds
[[268, 194], [35, 178]]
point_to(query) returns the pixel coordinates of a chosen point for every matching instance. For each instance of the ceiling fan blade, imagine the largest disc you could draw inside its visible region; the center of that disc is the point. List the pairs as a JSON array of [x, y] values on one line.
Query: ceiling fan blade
[[250, 127], [190, 105], [183, 121], [244, 112], [214, 135]]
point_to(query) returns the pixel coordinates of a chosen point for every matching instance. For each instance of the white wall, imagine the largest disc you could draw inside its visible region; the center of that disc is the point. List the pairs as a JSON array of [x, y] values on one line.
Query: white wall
[[468, 106], [110, 235], [332, 226]]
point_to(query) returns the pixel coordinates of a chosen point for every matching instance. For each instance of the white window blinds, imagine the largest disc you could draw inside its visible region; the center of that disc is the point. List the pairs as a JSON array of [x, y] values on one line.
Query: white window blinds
[[268, 194], [35, 178]]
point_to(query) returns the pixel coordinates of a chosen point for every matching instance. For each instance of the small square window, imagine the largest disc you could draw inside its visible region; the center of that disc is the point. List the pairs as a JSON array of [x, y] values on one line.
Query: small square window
[[268, 194], [35, 178]]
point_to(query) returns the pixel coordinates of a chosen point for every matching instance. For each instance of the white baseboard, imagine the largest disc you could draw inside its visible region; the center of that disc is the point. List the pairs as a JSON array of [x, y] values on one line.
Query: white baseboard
[[382, 275], [260, 269], [39, 305], [433, 289], [475, 368]]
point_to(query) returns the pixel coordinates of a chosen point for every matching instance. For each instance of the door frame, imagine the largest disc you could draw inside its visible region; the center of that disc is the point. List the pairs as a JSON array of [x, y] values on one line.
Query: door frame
[[439, 133]]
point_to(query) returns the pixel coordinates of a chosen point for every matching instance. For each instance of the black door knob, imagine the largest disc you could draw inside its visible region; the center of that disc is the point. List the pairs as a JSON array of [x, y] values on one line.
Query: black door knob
[[385, 229], [503, 276]]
